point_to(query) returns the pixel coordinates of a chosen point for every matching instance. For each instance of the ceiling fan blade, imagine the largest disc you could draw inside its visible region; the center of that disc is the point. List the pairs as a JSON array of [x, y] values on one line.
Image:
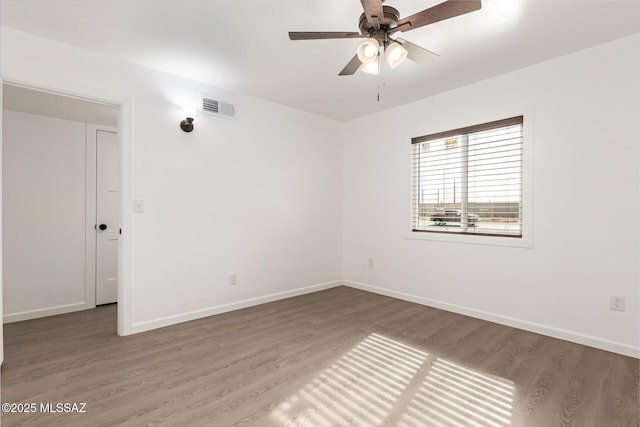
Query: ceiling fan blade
[[318, 35], [373, 11], [439, 12], [418, 54], [351, 67]]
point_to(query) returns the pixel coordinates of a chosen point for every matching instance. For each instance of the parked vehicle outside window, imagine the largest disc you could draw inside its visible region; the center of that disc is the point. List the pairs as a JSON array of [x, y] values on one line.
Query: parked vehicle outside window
[[448, 216]]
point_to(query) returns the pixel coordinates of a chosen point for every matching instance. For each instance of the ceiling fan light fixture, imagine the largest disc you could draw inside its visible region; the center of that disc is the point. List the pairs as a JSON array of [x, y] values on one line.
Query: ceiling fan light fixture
[[371, 68], [379, 22], [368, 51], [395, 54]]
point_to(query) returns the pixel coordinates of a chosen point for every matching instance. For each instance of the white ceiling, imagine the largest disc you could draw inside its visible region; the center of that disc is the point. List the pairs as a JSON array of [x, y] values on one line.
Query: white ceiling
[[242, 45]]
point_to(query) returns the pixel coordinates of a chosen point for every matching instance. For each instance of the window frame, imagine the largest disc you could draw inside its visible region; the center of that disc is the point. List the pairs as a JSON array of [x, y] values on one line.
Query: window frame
[[526, 239]]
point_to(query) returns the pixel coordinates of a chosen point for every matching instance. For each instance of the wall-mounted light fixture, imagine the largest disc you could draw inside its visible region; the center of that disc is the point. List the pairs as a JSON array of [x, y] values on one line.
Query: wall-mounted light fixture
[[189, 113]]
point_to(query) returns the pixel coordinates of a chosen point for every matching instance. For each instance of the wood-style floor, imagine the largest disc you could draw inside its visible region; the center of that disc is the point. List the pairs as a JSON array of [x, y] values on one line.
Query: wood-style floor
[[332, 358]]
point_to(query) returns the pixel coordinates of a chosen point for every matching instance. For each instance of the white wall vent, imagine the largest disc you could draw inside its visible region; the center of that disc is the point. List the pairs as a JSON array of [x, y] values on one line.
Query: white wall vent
[[214, 106]]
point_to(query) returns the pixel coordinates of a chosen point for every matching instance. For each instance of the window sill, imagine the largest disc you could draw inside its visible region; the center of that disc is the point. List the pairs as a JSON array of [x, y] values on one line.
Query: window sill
[[515, 242]]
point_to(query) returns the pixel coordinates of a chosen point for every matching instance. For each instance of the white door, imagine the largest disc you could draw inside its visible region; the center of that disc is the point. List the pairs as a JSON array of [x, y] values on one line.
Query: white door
[[108, 228]]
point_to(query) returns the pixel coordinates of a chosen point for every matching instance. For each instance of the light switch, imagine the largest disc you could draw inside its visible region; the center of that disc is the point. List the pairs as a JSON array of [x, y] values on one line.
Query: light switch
[[138, 206]]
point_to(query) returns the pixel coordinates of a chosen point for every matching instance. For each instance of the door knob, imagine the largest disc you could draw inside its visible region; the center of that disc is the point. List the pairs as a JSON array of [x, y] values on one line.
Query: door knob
[[102, 226]]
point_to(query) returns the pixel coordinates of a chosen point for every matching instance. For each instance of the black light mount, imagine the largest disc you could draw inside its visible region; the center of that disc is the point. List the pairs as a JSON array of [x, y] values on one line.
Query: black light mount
[[187, 124]]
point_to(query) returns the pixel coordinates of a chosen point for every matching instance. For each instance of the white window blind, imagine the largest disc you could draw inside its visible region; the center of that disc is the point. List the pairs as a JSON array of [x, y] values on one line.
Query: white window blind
[[469, 180]]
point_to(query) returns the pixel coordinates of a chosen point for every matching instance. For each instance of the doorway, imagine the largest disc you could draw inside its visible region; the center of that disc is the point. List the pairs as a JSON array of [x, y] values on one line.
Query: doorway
[[60, 178]]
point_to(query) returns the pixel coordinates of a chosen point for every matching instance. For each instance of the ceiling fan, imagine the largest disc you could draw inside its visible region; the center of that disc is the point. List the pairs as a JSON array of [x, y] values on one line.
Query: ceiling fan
[[378, 23]]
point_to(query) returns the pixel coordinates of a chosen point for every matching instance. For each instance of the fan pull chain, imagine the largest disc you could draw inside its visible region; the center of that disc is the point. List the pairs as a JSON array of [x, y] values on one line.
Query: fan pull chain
[[379, 72]]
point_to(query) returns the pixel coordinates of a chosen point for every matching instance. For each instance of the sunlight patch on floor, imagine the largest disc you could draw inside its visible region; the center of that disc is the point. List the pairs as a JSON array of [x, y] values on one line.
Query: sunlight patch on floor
[[359, 389], [453, 395], [381, 381]]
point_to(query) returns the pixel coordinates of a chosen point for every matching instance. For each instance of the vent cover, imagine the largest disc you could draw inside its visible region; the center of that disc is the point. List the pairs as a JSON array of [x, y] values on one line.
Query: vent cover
[[214, 106]]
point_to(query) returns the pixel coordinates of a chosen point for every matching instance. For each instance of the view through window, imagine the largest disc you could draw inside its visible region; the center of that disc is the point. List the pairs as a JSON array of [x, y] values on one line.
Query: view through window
[[469, 180]]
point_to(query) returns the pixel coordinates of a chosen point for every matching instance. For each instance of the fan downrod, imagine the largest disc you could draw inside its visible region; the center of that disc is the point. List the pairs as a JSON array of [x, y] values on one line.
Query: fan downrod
[[390, 20]]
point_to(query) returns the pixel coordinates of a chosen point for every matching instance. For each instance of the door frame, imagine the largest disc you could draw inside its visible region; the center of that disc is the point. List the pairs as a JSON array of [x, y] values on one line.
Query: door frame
[[124, 103]]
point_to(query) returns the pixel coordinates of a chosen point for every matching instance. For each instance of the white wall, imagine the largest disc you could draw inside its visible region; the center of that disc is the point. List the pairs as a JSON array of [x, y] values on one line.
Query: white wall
[[585, 208], [259, 196], [43, 199], [271, 198]]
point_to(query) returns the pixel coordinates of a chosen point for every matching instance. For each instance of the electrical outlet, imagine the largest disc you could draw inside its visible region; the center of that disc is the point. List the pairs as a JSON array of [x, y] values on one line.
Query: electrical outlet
[[371, 262], [233, 279], [616, 302]]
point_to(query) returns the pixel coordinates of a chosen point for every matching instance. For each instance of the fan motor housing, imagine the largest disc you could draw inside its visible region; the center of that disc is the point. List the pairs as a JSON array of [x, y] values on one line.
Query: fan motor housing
[[390, 20]]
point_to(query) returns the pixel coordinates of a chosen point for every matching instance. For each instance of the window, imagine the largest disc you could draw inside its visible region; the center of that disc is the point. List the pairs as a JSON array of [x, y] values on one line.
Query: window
[[469, 181]]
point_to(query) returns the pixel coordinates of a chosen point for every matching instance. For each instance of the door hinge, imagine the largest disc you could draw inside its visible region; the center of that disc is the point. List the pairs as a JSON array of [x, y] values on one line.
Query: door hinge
[[121, 231]]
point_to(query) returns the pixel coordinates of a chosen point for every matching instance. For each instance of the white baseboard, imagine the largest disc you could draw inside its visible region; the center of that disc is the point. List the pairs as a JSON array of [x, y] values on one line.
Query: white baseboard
[[591, 341], [44, 312], [223, 308]]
